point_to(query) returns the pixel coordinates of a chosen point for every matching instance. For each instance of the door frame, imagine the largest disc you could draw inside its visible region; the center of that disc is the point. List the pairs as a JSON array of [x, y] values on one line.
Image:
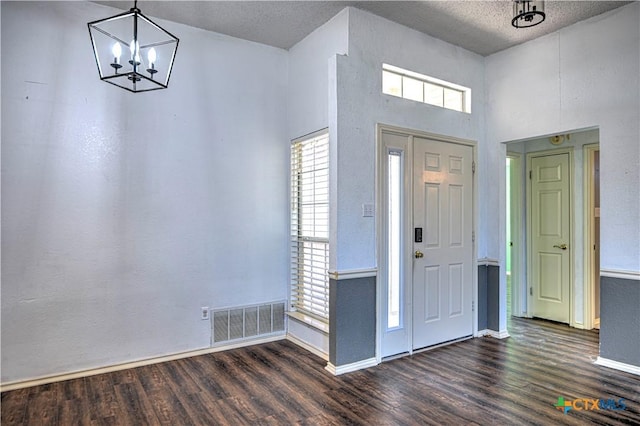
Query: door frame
[[588, 232], [518, 278], [407, 243], [572, 289]]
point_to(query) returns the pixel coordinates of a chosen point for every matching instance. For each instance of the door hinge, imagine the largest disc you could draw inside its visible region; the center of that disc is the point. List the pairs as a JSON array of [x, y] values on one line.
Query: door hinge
[[473, 166], [530, 291], [473, 306], [473, 237], [530, 175]]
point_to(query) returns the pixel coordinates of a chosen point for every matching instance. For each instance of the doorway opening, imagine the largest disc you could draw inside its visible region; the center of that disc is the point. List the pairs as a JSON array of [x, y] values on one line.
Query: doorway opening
[[527, 254]]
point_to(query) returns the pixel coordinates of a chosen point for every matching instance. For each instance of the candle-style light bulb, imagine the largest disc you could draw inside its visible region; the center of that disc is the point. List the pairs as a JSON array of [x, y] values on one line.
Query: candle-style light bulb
[[134, 47], [116, 49], [152, 57], [117, 52]]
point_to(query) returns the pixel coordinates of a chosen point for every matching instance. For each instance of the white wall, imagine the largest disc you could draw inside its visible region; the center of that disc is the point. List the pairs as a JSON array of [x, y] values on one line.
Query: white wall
[[308, 91], [361, 105], [124, 213], [583, 76], [586, 75]]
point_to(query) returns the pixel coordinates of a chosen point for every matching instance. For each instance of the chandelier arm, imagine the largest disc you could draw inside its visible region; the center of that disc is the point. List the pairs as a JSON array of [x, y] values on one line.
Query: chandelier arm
[[159, 43], [126, 43]]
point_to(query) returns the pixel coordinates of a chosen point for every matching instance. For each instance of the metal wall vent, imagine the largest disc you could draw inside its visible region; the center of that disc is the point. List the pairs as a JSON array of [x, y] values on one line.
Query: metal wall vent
[[247, 322]]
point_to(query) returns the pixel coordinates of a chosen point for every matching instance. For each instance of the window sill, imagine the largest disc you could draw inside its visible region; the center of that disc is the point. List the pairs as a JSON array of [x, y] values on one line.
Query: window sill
[[320, 325]]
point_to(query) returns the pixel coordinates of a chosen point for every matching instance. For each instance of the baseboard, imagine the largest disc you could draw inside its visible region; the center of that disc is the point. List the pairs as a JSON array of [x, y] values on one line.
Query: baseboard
[[633, 369], [20, 384], [495, 334], [304, 345], [348, 368]]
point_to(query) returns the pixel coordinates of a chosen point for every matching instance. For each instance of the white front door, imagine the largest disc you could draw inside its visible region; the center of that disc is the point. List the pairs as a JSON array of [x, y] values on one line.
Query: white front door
[[426, 184], [550, 259], [443, 245]]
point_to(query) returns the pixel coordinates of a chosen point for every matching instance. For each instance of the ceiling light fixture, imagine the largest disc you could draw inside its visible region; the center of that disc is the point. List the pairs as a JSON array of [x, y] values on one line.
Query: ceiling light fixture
[[527, 13], [149, 51]]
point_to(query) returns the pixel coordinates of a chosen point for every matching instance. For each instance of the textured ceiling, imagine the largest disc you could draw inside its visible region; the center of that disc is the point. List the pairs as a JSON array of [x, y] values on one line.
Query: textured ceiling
[[483, 27]]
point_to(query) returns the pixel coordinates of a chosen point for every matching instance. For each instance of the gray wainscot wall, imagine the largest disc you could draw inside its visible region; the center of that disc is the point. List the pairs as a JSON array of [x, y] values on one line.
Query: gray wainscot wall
[[352, 309], [488, 295], [620, 327]]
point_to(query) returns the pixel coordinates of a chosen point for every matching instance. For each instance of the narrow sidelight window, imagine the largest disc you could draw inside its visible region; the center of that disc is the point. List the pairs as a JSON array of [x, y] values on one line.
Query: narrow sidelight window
[[394, 226]]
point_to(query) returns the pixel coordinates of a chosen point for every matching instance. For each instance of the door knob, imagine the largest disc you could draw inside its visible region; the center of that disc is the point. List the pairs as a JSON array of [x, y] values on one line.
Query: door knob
[[561, 246], [419, 254]]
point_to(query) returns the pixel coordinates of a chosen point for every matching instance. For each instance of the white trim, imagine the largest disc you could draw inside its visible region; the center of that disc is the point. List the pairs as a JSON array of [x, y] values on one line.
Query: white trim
[[518, 254], [633, 369], [619, 273], [133, 364], [306, 346], [427, 135], [354, 366], [350, 274], [440, 345], [311, 135], [492, 333], [590, 259], [485, 261], [322, 326]]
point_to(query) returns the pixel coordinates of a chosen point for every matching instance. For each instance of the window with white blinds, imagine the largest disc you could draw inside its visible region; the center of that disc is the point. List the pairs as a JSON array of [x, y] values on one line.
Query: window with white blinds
[[310, 225]]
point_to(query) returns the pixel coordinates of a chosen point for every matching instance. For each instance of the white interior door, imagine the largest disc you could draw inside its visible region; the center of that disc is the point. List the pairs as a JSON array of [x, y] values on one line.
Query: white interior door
[[442, 265], [550, 236]]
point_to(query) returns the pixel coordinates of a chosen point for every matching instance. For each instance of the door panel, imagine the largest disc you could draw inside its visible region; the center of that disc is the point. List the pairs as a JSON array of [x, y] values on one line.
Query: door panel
[[550, 237], [432, 221], [432, 293], [456, 290], [442, 278]]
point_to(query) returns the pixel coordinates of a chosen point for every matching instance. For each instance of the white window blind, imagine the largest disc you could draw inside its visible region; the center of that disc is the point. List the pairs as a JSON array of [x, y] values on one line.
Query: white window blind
[[310, 226]]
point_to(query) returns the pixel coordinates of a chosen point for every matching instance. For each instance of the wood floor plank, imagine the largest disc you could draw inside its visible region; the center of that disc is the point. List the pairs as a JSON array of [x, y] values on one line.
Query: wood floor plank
[[102, 398], [134, 407], [42, 406], [483, 381], [13, 406]]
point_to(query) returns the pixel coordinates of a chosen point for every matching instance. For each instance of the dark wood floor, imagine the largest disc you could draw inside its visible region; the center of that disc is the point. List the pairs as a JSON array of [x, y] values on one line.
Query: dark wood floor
[[482, 381]]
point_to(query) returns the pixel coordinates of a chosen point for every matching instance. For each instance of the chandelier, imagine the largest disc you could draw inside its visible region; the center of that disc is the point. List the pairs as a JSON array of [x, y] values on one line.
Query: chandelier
[[527, 13], [132, 51]]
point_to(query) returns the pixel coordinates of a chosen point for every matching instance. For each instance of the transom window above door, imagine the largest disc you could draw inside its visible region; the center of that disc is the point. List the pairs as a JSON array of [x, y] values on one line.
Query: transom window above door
[[417, 87]]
